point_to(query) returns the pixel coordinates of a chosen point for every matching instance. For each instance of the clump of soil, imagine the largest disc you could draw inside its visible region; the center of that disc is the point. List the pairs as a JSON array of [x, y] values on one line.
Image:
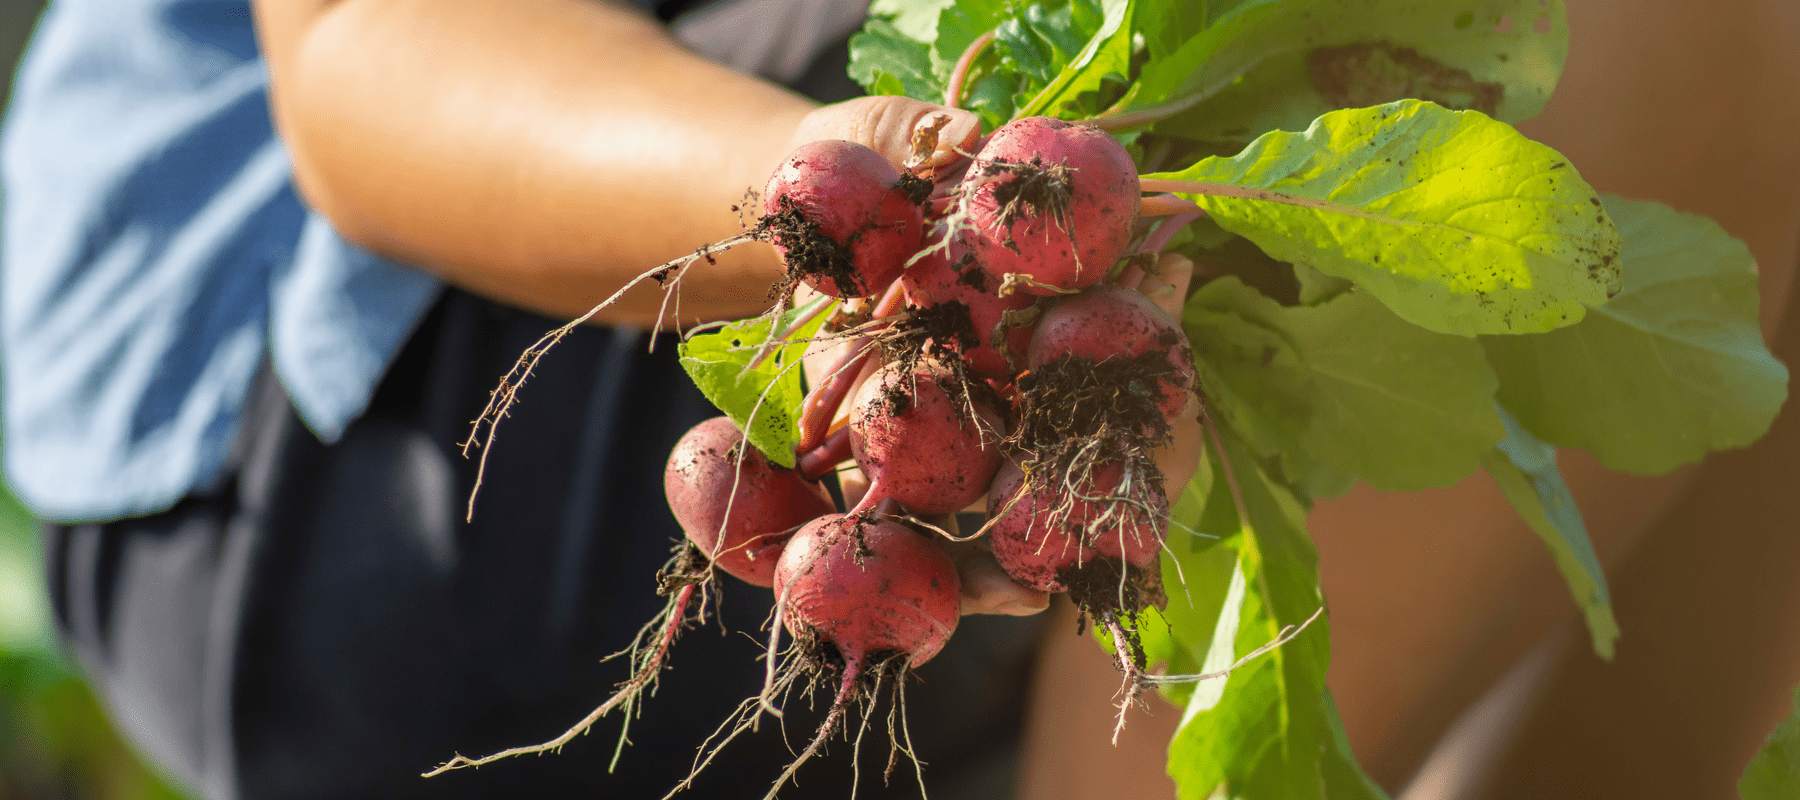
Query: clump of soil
[[810, 252], [1032, 189]]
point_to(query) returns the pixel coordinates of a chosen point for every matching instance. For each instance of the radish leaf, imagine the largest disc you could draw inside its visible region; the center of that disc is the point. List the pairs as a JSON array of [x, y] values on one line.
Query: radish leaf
[[764, 400], [1671, 368], [1525, 469], [1457, 222], [1277, 64]]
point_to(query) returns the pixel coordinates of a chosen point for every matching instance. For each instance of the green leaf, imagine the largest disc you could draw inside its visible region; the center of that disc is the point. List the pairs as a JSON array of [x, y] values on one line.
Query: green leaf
[[1672, 367], [1251, 374], [1071, 94], [25, 624], [1525, 469], [1041, 41], [1269, 730], [1455, 221], [914, 19], [1774, 774], [886, 61], [1398, 406], [1345, 388], [763, 400], [1202, 597], [1343, 775], [1277, 64], [1316, 287]]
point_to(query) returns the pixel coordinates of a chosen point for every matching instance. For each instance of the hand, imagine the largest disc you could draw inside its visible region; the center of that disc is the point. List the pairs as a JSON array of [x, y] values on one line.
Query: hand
[[885, 124]]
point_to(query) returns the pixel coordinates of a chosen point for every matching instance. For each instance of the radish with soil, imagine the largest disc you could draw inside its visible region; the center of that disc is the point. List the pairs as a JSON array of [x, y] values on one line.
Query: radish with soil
[[845, 219], [922, 440], [989, 331], [868, 596], [1052, 202], [735, 505], [861, 592]]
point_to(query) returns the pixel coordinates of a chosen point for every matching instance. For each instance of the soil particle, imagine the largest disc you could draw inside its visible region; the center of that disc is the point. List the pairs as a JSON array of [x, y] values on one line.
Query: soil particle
[[810, 253]]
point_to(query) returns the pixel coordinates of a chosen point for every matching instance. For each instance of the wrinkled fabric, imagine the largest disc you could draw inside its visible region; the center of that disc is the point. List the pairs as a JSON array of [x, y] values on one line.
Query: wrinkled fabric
[[155, 250]]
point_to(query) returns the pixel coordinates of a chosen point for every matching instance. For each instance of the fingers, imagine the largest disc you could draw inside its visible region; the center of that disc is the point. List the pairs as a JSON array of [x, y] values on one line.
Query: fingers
[[1181, 456], [886, 125], [986, 589], [1167, 287]]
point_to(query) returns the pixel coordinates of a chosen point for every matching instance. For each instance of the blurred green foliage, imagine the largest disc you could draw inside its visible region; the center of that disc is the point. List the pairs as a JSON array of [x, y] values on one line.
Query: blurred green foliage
[[55, 742]]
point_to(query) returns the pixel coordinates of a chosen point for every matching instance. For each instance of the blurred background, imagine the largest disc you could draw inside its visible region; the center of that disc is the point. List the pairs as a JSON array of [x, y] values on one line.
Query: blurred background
[[54, 741]]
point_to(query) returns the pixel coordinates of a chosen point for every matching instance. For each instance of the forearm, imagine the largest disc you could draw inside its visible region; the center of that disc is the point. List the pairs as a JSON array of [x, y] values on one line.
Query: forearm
[[540, 152]]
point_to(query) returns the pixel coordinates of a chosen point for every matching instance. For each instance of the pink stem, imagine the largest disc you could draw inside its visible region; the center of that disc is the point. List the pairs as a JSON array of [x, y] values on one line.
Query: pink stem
[[954, 91], [890, 301], [1163, 205], [822, 404], [815, 463], [1159, 238]]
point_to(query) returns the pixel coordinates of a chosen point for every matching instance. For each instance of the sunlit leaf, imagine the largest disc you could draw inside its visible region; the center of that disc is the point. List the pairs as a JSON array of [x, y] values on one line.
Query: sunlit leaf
[[1671, 368], [1457, 222], [763, 400]]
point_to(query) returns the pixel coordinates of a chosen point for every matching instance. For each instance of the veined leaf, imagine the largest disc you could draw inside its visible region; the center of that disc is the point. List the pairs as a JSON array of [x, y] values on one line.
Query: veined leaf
[[1106, 54], [1672, 367], [958, 26], [914, 19], [1455, 221], [1525, 469], [881, 49], [1276, 64], [1269, 730], [763, 400], [1348, 385], [1774, 774]]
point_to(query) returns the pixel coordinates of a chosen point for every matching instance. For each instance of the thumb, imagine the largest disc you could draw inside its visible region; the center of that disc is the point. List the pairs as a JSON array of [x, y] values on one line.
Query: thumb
[[886, 123]]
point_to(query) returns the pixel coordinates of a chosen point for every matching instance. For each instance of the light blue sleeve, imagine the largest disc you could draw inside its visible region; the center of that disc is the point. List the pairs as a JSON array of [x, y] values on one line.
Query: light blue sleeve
[[154, 253]]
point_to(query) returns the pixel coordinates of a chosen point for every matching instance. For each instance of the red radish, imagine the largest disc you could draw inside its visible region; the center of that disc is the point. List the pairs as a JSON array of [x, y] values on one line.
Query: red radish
[[874, 593], [952, 276], [929, 450], [1052, 201], [757, 515], [1033, 546], [845, 219], [1129, 529], [1113, 323], [868, 586]]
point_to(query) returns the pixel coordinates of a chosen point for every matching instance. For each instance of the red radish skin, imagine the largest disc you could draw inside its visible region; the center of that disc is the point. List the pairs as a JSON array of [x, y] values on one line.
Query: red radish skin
[[769, 503], [1135, 531], [1033, 549], [1113, 322], [1099, 203], [868, 586], [884, 597], [951, 275], [920, 446], [856, 199]]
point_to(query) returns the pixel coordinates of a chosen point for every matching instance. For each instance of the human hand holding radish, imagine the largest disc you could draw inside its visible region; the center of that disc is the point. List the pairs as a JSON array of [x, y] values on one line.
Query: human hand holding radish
[[993, 339]]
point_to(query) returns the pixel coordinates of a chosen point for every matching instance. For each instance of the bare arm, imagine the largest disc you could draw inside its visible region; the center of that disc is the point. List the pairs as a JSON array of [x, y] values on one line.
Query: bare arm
[[539, 152]]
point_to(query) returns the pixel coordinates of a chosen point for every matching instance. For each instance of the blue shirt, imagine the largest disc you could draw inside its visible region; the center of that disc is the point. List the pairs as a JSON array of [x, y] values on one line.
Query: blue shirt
[[154, 252]]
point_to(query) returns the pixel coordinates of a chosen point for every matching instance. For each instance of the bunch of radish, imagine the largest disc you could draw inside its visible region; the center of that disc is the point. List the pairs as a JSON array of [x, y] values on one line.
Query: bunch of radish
[[984, 353]]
